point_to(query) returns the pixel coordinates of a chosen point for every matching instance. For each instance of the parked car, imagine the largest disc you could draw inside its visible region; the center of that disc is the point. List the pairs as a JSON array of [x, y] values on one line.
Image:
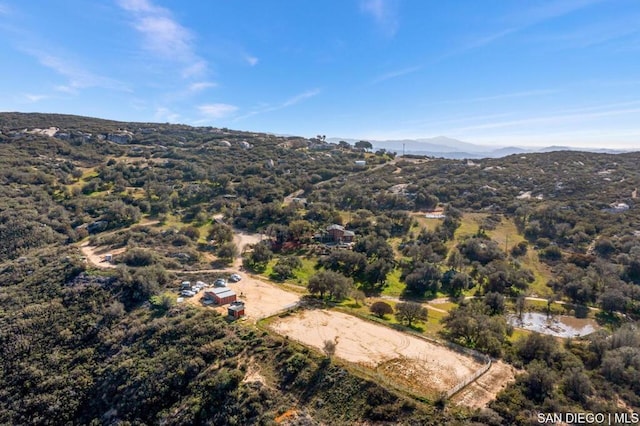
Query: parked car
[[234, 278], [187, 293], [185, 285], [220, 282]]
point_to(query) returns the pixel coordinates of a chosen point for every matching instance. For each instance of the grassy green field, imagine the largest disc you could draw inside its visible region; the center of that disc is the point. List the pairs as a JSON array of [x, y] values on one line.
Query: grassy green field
[[394, 287], [303, 274], [425, 223], [300, 275], [430, 327]]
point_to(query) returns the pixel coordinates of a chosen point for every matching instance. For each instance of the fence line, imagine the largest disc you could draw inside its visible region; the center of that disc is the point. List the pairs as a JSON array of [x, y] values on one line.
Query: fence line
[[288, 308], [464, 383], [478, 356]]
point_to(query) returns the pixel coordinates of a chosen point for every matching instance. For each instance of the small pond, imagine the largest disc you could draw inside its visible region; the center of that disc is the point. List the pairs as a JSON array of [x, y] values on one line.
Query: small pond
[[556, 325]]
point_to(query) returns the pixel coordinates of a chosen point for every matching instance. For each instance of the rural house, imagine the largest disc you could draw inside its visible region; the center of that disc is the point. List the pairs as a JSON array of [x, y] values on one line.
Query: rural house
[[338, 234]]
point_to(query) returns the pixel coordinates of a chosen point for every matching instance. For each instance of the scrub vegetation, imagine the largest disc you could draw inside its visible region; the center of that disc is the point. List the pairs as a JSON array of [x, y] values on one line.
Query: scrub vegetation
[[552, 232]]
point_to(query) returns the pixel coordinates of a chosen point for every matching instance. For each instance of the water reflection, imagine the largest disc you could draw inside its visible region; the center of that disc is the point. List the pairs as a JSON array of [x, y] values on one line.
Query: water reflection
[[557, 325]]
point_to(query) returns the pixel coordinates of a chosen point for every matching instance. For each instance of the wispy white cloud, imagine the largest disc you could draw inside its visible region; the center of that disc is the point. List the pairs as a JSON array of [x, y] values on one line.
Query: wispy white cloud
[[397, 73], [164, 114], [199, 86], [384, 13], [556, 119], [77, 77], [138, 6], [299, 98], [376, 8], [474, 44], [621, 29], [251, 60], [433, 123], [164, 37], [548, 10], [30, 97], [218, 110], [523, 19], [612, 82], [294, 100], [487, 39], [501, 96]]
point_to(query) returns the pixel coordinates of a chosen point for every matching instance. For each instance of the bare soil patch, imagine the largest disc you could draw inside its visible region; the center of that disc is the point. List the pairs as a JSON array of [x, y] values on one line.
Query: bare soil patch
[[261, 299], [242, 240], [96, 255], [482, 391], [410, 362]]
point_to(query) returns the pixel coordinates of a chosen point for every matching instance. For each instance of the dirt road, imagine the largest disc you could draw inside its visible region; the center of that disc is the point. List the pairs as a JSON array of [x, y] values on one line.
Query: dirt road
[[96, 255]]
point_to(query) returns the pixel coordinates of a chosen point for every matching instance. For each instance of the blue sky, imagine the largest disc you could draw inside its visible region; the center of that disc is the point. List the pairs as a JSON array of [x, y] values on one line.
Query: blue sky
[[485, 71]]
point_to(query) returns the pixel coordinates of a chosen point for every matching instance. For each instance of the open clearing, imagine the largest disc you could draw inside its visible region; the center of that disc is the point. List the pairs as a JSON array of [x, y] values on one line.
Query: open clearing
[[96, 255], [261, 299], [423, 367]]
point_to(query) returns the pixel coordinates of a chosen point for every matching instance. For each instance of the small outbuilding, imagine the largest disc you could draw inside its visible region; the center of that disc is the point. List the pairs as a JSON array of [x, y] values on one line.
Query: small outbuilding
[[221, 295], [236, 309]]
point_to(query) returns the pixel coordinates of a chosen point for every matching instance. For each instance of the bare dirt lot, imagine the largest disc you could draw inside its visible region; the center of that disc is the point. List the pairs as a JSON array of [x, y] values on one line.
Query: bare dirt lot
[[96, 255], [482, 391], [261, 299], [423, 367], [242, 240]]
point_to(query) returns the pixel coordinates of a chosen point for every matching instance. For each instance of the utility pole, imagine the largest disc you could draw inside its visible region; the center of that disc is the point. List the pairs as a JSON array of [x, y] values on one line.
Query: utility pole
[[403, 149]]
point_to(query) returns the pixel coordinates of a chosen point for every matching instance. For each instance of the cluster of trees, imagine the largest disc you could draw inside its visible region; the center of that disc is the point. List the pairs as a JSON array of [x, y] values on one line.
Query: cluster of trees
[[285, 266], [334, 284], [479, 324], [369, 263], [405, 312], [259, 256]]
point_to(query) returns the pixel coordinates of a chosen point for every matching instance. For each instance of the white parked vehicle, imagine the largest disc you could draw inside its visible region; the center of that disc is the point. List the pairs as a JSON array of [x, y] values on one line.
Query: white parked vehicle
[[187, 293], [234, 278]]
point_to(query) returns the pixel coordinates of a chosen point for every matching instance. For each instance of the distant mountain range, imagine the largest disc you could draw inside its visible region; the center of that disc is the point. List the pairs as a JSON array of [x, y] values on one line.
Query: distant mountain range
[[445, 147]]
